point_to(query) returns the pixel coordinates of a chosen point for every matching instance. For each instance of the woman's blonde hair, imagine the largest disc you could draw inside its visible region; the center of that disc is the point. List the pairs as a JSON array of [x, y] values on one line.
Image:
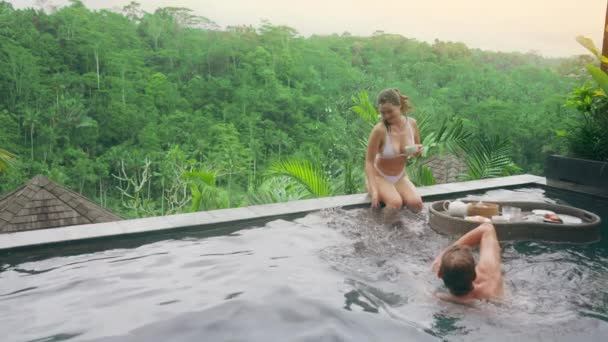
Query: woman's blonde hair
[[394, 97]]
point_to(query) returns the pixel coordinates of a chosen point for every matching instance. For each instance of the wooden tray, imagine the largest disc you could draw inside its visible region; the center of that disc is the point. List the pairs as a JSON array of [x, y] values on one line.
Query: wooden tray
[[587, 231]]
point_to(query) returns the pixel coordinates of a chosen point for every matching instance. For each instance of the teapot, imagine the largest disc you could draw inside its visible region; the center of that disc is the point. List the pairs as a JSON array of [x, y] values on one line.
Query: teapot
[[456, 208]]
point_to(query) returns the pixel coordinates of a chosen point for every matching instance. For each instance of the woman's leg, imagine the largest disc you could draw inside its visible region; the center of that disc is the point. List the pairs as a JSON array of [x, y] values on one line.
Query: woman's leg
[[409, 195], [391, 198], [387, 193]]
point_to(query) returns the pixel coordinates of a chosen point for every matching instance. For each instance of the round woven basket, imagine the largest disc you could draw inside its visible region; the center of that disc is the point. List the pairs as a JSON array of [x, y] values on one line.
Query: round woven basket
[[587, 231]]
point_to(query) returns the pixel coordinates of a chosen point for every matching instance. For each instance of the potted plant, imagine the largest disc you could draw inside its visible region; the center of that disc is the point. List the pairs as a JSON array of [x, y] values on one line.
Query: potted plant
[[587, 140]]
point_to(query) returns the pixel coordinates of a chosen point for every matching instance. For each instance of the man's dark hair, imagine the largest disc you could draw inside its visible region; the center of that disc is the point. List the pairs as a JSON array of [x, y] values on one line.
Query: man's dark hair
[[458, 270]]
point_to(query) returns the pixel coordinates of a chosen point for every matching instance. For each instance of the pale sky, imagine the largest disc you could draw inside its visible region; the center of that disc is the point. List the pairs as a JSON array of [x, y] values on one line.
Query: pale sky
[[547, 26]]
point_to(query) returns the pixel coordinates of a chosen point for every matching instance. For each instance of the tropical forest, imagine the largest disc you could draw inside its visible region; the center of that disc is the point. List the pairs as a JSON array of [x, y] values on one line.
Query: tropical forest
[[160, 113]]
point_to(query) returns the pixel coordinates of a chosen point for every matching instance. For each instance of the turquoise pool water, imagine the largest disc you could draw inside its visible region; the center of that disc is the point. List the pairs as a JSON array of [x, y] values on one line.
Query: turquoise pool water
[[331, 276]]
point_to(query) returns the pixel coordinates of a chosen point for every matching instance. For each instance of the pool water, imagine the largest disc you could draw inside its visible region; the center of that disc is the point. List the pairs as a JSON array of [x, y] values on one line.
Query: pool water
[[335, 275]]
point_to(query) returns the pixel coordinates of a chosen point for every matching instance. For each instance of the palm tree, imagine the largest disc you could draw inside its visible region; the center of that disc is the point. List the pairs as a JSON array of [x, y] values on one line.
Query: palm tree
[[6, 160]]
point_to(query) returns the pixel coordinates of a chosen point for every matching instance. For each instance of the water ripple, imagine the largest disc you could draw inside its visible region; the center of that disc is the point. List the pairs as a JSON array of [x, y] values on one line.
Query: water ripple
[[344, 275]]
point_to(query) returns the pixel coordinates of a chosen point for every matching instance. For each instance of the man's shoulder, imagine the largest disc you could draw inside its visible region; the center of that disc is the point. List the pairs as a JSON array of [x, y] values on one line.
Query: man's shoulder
[[488, 286], [467, 300]]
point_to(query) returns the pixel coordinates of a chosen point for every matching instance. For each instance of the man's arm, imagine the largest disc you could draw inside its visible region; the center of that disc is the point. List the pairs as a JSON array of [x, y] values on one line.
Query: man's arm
[[489, 252], [475, 236], [471, 239]]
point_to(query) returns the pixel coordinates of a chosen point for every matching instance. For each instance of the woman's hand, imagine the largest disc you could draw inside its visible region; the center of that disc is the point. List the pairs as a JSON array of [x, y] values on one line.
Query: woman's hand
[[420, 150], [375, 199]]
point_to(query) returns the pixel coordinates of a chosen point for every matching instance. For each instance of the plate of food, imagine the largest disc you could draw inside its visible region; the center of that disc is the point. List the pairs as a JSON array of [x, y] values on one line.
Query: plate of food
[[552, 218], [569, 219], [542, 212]]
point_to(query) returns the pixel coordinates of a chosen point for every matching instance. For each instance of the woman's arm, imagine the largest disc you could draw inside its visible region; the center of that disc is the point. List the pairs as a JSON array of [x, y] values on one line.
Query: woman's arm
[[417, 138], [372, 149], [416, 131]]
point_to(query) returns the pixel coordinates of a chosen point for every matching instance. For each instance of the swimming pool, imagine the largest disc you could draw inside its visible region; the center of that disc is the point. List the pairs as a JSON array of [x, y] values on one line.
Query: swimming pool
[[335, 275]]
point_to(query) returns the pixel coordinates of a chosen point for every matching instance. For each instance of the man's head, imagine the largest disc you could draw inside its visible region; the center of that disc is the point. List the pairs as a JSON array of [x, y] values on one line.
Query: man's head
[[458, 270]]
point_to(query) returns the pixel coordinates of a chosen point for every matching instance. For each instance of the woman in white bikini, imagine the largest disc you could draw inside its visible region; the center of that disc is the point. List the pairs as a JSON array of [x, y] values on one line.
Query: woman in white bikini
[[386, 156]]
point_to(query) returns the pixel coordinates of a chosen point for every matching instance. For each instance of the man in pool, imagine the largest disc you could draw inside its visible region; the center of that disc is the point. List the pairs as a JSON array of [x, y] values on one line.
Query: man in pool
[[464, 279]]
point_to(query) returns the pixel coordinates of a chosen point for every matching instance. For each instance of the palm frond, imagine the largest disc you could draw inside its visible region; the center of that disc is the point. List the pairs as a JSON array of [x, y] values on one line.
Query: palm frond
[[86, 121], [276, 190], [450, 134], [363, 143], [346, 179], [599, 76], [305, 173], [7, 160], [364, 108], [421, 175], [204, 177], [487, 158], [205, 194], [589, 45]]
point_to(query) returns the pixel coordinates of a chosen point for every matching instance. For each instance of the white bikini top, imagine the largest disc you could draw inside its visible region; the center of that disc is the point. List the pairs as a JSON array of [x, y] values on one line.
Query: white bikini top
[[388, 151]]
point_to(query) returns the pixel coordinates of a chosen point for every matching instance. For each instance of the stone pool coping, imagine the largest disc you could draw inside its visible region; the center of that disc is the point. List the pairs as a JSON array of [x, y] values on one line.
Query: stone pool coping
[[213, 219]]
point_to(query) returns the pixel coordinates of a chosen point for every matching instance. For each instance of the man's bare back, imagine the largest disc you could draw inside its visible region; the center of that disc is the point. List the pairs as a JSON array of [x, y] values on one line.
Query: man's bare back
[[465, 279]]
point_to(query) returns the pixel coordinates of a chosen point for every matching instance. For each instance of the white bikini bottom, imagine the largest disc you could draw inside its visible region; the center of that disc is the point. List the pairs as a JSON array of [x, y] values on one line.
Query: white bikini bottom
[[390, 179]]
